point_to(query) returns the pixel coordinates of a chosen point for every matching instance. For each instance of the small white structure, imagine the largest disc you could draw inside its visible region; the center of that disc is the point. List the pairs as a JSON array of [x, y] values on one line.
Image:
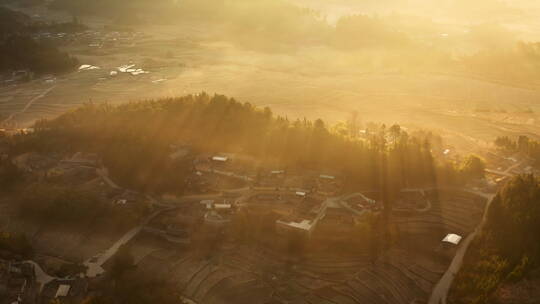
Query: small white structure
[[88, 67], [301, 193], [121, 201], [452, 239], [125, 68], [222, 159], [209, 203], [324, 176], [277, 172], [222, 206], [304, 225], [63, 291]]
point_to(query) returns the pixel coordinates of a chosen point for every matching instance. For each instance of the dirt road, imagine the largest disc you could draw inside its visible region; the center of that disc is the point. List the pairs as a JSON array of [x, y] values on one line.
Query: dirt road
[[440, 292], [29, 104]]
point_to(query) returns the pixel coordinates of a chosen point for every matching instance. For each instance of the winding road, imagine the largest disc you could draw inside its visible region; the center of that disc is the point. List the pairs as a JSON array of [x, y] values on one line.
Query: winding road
[[440, 292]]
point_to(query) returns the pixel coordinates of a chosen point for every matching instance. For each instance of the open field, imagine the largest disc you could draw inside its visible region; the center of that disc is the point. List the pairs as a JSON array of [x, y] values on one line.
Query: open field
[[297, 82]]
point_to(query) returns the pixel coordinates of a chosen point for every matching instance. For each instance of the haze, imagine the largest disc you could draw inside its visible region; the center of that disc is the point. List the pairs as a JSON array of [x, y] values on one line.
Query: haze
[[287, 151]]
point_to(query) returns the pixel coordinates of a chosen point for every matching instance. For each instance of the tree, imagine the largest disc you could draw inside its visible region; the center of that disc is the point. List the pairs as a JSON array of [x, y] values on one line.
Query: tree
[[523, 144], [473, 167], [505, 142], [395, 132], [10, 175]]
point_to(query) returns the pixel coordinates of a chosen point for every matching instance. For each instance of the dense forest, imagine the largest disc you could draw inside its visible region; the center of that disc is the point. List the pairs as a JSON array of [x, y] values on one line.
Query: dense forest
[[20, 50], [144, 131], [508, 249]]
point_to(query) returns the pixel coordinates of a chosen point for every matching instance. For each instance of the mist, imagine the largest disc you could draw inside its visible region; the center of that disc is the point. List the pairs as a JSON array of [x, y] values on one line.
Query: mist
[[288, 151]]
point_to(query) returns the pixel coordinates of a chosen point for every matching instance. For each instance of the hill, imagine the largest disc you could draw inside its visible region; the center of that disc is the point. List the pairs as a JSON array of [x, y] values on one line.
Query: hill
[[501, 266], [145, 131]]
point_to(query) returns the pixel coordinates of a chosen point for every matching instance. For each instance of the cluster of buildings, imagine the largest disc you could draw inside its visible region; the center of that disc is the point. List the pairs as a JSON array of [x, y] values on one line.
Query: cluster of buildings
[[91, 38], [359, 203], [304, 217], [17, 283], [178, 225]]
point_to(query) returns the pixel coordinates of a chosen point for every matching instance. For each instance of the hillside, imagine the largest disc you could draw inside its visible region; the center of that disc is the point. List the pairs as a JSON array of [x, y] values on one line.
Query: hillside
[[502, 265], [212, 124]]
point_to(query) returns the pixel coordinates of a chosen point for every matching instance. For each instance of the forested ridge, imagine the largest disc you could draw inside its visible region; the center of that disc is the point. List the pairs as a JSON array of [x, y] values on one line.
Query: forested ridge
[[134, 140]]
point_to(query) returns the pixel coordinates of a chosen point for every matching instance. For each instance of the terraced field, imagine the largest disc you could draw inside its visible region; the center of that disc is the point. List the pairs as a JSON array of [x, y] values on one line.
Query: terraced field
[[251, 276], [458, 213], [405, 273]]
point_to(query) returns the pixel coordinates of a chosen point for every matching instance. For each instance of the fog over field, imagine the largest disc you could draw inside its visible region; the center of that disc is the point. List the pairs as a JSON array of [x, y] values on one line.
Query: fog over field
[[312, 59], [269, 151]]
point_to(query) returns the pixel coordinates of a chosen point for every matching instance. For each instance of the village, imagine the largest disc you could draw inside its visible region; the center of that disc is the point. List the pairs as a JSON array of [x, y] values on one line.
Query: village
[[279, 234]]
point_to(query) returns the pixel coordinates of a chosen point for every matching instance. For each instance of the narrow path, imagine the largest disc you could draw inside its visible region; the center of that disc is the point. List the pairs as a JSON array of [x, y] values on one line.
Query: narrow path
[[505, 172], [41, 276], [95, 264], [28, 105]]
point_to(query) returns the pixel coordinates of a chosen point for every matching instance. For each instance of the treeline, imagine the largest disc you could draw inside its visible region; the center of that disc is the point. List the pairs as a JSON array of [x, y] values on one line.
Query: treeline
[[520, 64], [19, 50], [523, 144], [12, 22], [508, 248], [253, 22], [119, 10], [134, 140], [15, 245]]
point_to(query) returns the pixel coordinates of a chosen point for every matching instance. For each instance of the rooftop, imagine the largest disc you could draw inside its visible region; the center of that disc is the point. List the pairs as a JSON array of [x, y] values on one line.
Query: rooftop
[[452, 238], [63, 290], [220, 158]]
